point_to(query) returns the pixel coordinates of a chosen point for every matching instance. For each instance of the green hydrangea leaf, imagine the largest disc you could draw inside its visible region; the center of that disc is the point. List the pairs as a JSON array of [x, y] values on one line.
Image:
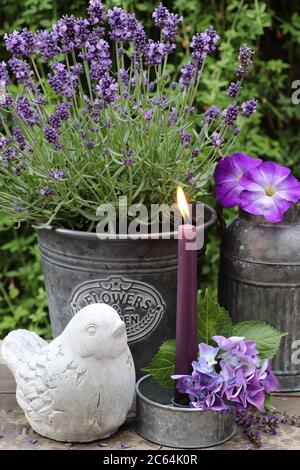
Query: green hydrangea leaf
[[162, 365], [267, 337], [212, 319]]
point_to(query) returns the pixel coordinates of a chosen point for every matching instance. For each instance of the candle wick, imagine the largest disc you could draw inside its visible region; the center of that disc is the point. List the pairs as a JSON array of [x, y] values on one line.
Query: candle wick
[[186, 219]]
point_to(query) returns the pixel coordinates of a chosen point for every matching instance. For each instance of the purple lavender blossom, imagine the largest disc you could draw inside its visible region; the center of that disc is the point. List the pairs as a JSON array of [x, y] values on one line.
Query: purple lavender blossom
[[139, 40], [212, 112], [173, 116], [124, 76], [147, 115], [185, 138], [52, 136], [61, 114], [245, 59], [17, 208], [195, 153], [21, 70], [188, 75], [4, 76], [216, 139], [228, 174], [154, 52], [128, 161], [203, 44], [64, 82], [26, 112], [269, 190], [71, 32], [233, 89], [120, 22], [168, 22], [173, 85], [57, 174], [236, 130], [107, 88], [46, 192], [230, 114], [19, 137], [248, 108], [96, 12], [7, 101], [20, 43], [45, 43]]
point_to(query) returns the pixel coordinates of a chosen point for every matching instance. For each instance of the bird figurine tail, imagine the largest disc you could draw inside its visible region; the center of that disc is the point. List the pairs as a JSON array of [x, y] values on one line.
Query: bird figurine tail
[[18, 345]]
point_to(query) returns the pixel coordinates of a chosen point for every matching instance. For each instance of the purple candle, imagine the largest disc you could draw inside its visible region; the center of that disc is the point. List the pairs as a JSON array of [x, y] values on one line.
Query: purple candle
[[186, 315]]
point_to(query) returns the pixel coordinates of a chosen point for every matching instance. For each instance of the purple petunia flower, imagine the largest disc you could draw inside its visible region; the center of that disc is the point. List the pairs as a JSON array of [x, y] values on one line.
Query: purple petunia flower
[[154, 52], [20, 43], [228, 174], [245, 59], [269, 190], [248, 108], [233, 89], [96, 12], [230, 114]]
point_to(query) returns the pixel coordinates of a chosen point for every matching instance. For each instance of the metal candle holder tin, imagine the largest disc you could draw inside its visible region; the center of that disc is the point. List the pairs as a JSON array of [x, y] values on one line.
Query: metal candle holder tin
[[159, 421]]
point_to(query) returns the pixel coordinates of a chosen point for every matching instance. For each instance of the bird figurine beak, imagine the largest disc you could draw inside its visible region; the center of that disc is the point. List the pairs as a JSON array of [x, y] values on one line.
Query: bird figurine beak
[[120, 330]]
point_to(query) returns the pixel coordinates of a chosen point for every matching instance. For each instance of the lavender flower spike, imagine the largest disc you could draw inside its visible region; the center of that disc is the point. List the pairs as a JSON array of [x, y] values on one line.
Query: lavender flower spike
[[96, 12], [248, 108], [230, 114], [245, 59]]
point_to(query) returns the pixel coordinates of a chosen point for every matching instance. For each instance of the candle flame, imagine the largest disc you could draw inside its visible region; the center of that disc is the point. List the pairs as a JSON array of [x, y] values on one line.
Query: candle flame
[[182, 203]]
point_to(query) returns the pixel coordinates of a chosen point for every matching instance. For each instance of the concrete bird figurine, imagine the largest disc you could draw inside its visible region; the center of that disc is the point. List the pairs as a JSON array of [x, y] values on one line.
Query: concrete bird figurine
[[79, 387]]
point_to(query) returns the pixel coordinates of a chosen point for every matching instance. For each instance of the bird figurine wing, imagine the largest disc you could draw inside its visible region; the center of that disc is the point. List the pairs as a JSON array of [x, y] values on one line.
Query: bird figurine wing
[[37, 375]]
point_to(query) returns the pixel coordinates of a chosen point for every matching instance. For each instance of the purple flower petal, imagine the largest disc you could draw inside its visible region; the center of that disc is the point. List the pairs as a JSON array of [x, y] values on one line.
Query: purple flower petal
[[228, 175]]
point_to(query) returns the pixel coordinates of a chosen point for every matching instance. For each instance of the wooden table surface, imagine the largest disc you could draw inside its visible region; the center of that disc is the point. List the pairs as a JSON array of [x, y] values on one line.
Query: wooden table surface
[[15, 432]]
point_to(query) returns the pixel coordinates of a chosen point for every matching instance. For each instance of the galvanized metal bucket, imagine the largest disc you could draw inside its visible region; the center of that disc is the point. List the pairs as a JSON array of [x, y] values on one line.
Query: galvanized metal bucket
[[159, 421], [260, 280], [135, 276]]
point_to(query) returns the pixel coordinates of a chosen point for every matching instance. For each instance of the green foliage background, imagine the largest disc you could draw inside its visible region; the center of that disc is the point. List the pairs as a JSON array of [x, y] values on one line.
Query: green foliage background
[[271, 27]]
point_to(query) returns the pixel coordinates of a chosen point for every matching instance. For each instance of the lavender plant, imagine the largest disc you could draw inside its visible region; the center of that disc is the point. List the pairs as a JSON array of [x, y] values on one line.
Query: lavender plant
[[90, 113]]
